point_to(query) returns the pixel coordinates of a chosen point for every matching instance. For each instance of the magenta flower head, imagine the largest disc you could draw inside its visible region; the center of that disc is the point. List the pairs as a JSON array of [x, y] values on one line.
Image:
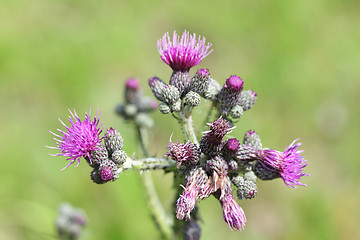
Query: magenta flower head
[[132, 83], [184, 153], [197, 186], [183, 53], [80, 138], [234, 83], [288, 164], [233, 214]]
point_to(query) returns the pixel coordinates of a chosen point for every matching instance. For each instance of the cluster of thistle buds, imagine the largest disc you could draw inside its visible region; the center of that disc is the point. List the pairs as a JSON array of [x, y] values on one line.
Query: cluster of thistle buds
[[70, 222], [213, 165], [136, 106]]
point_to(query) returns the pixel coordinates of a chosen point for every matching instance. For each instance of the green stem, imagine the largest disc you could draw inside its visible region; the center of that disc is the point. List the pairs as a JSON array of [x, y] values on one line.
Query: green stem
[[162, 221], [186, 124], [149, 163]]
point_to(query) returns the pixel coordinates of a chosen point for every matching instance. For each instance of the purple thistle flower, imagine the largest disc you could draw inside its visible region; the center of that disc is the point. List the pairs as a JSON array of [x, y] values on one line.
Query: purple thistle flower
[[289, 164], [230, 148], [182, 54], [184, 153], [233, 214], [79, 139]]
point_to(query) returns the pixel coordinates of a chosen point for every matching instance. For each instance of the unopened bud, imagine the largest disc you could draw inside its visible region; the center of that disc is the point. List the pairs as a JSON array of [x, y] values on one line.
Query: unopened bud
[[251, 138], [107, 171], [146, 104], [191, 231], [200, 82], [265, 173], [250, 176], [247, 190], [130, 110], [246, 153], [237, 112], [170, 94], [176, 106], [212, 90], [157, 86], [247, 99], [144, 120], [164, 108], [119, 157], [192, 99], [98, 155], [181, 80], [113, 140]]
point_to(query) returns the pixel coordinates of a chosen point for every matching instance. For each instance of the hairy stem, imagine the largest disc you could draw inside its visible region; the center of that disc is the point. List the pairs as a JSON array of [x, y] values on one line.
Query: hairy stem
[[149, 163], [162, 221]]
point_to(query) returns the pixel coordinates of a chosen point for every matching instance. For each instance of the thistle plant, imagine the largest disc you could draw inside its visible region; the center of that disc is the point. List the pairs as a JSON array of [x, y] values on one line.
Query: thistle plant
[[204, 164]]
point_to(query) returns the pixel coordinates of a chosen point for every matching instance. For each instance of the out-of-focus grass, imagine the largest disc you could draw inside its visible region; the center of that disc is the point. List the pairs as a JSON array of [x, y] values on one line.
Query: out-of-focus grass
[[301, 57]]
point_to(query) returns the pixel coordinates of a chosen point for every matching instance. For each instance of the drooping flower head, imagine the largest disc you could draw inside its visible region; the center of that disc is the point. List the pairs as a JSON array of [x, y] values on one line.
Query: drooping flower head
[[288, 164], [197, 187], [80, 138], [233, 214], [183, 53]]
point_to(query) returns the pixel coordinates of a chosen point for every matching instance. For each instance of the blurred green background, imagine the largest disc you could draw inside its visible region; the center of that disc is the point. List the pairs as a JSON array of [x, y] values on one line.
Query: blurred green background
[[301, 57]]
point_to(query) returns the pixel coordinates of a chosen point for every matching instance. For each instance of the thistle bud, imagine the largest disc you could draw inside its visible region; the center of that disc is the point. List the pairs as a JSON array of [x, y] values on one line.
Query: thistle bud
[[120, 109], [212, 90], [170, 94], [251, 138], [230, 93], [246, 190], [146, 104], [98, 155], [237, 180], [130, 110], [247, 99], [264, 173], [237, 112], [95, 176], [144, 120], [250, 176], [119, 157], [200, 82], [107, 171], [181, 80], [70, 222], [192, 99], [164, 108], [176, 106], [113, 140], [157, 86], [132, 90], [246, 153], [191, 231]]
